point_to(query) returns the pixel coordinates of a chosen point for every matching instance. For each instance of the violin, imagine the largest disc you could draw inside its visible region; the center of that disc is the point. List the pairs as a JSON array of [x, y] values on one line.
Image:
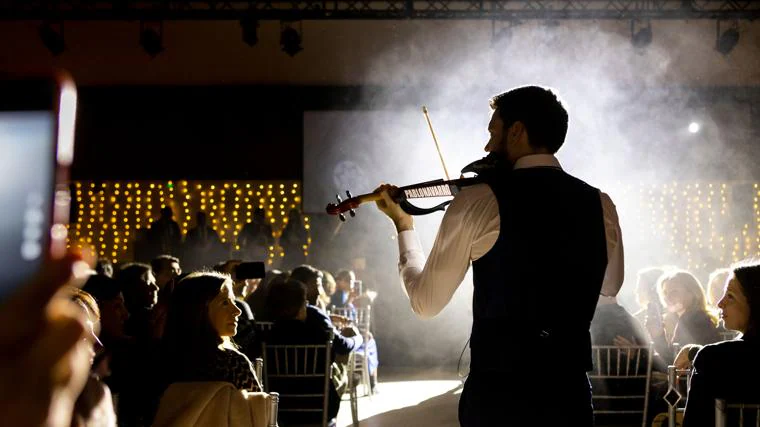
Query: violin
[[483, 168]]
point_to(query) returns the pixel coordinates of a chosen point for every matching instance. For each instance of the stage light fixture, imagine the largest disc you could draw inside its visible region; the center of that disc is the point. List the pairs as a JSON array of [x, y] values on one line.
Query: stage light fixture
[[642, 37], [51, 34], [290, 38], [249, 26], [726, 41], [694, 127], [151, 37]]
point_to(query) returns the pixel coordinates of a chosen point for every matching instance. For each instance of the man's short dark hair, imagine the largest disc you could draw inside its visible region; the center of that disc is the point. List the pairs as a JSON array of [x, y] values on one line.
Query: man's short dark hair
[[539, 110], [162, 261], [286, 299], [305, 273]]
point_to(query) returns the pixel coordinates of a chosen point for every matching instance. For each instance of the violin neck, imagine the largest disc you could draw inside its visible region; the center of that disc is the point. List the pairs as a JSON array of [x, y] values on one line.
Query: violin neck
[[435, 188]]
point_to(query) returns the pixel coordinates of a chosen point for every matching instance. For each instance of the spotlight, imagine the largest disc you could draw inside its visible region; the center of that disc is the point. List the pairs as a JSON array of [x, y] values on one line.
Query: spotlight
[[52, 37], [694, 127], [249, 26], [727, 40], [151, 38], [643, 37], [290, 39]]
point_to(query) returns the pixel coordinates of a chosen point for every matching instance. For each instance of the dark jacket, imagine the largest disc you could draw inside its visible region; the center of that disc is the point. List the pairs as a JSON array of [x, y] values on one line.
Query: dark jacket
[[314, 330], [726, 370], [693, 327]]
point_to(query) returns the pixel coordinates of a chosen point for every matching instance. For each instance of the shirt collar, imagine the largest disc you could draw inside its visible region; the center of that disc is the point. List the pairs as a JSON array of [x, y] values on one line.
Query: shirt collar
[[537, 160]]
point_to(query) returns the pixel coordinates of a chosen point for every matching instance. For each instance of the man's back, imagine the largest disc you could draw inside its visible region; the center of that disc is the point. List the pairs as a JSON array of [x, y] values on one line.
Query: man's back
[[544, 274]]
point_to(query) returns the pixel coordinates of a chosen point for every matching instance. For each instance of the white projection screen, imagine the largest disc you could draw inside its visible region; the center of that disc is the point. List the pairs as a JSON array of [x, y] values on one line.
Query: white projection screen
[[358, 150]]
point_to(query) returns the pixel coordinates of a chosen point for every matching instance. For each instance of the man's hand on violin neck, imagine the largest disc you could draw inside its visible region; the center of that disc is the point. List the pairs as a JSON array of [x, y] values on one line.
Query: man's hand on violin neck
[[402, 220]]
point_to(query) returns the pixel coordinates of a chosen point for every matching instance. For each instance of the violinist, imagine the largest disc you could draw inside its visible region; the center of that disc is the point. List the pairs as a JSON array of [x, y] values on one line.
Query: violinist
[[543, 245]]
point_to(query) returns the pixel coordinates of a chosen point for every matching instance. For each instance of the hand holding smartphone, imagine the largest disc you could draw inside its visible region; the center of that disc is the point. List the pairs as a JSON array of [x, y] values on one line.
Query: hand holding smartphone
[[37, 116]]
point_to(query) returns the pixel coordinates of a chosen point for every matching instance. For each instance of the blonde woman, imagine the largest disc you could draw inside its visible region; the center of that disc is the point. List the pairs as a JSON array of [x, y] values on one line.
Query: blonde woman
[[683, 296]]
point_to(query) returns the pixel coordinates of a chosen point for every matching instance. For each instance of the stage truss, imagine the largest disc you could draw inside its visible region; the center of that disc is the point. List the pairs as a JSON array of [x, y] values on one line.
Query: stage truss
[[515, 10]]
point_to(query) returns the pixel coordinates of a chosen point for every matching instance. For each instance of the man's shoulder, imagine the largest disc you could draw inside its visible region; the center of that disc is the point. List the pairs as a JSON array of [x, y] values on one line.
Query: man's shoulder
[[474, 195], [314, 314]]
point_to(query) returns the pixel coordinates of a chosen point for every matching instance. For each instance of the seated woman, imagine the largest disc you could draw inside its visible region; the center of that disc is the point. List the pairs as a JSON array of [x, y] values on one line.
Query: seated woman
[[197, 344], [682, 295], [297, 322], [727, 370]]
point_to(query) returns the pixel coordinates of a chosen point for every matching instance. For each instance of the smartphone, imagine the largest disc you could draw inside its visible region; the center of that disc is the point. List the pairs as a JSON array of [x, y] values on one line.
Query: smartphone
[[358, 287], [37, 117], [250, 270]]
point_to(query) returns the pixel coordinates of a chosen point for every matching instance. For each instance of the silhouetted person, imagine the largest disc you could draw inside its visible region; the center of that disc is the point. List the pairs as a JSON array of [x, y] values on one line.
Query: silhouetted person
[[203, 248], [293, 240], [256, 238], [164, 235]]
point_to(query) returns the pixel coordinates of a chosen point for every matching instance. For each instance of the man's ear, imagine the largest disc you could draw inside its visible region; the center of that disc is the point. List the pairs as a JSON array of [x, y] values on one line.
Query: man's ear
[[516, 129]]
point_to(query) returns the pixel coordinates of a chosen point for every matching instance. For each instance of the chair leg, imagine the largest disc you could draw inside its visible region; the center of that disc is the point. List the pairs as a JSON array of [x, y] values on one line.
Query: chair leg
[[354, 407]]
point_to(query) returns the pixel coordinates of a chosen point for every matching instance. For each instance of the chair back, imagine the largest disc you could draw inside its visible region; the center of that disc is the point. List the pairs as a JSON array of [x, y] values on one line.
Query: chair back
[[621, 378], [274, 404], [262, 330], [301, 376], [347, 312], [364, 320], [729, 414], [678, 382]]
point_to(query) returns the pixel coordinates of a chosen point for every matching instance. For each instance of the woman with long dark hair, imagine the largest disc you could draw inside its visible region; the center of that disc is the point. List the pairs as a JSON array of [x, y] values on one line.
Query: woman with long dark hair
[[728, 370], [197, 341]]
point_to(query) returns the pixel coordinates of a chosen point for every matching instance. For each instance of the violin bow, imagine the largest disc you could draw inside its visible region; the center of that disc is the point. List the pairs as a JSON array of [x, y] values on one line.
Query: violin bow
[[435, 139]]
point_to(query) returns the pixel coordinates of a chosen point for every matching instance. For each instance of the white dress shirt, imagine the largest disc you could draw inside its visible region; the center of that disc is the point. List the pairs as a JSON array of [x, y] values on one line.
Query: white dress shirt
[[469, 229]]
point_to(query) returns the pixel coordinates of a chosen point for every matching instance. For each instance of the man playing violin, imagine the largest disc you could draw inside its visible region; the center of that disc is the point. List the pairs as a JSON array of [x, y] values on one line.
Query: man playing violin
[[543, 246]]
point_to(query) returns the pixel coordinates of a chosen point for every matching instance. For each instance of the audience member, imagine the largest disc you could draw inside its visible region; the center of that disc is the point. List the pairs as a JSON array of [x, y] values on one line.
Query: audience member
[[104, 266], [312, 278], [294, 240], [44, 359], [256, 237], [197, 342], [683, 296], [165, 236], [293, 326], [726, 370], [202, 246], [94, 407]]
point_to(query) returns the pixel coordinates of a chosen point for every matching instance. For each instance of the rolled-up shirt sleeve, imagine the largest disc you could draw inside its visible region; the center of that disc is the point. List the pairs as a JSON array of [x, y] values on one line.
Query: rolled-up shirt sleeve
[[613, 276], [431, 283]]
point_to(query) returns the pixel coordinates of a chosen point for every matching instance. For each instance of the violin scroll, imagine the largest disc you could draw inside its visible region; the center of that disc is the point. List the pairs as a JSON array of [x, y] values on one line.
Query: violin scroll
[[350, 204]]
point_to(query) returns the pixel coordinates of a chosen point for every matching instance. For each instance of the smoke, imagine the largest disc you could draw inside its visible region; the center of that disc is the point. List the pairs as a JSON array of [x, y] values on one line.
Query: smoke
[[628, 125]]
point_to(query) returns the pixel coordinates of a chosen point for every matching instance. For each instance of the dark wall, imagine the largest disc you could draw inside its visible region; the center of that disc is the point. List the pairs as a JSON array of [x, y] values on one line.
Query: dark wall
[[197, 132]]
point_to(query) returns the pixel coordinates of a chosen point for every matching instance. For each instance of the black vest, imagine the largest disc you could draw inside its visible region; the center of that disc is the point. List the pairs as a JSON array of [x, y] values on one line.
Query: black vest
[[537, 288]]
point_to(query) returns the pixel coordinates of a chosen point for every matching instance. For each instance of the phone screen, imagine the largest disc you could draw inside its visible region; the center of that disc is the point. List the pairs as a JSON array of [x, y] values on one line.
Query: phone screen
[[250, 270], [27, 183], [37, 116]]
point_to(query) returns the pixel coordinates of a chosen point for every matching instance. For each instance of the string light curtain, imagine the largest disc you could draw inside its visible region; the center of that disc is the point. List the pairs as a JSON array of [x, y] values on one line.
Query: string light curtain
[[694, 225], [699, 226], [110, 214]]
